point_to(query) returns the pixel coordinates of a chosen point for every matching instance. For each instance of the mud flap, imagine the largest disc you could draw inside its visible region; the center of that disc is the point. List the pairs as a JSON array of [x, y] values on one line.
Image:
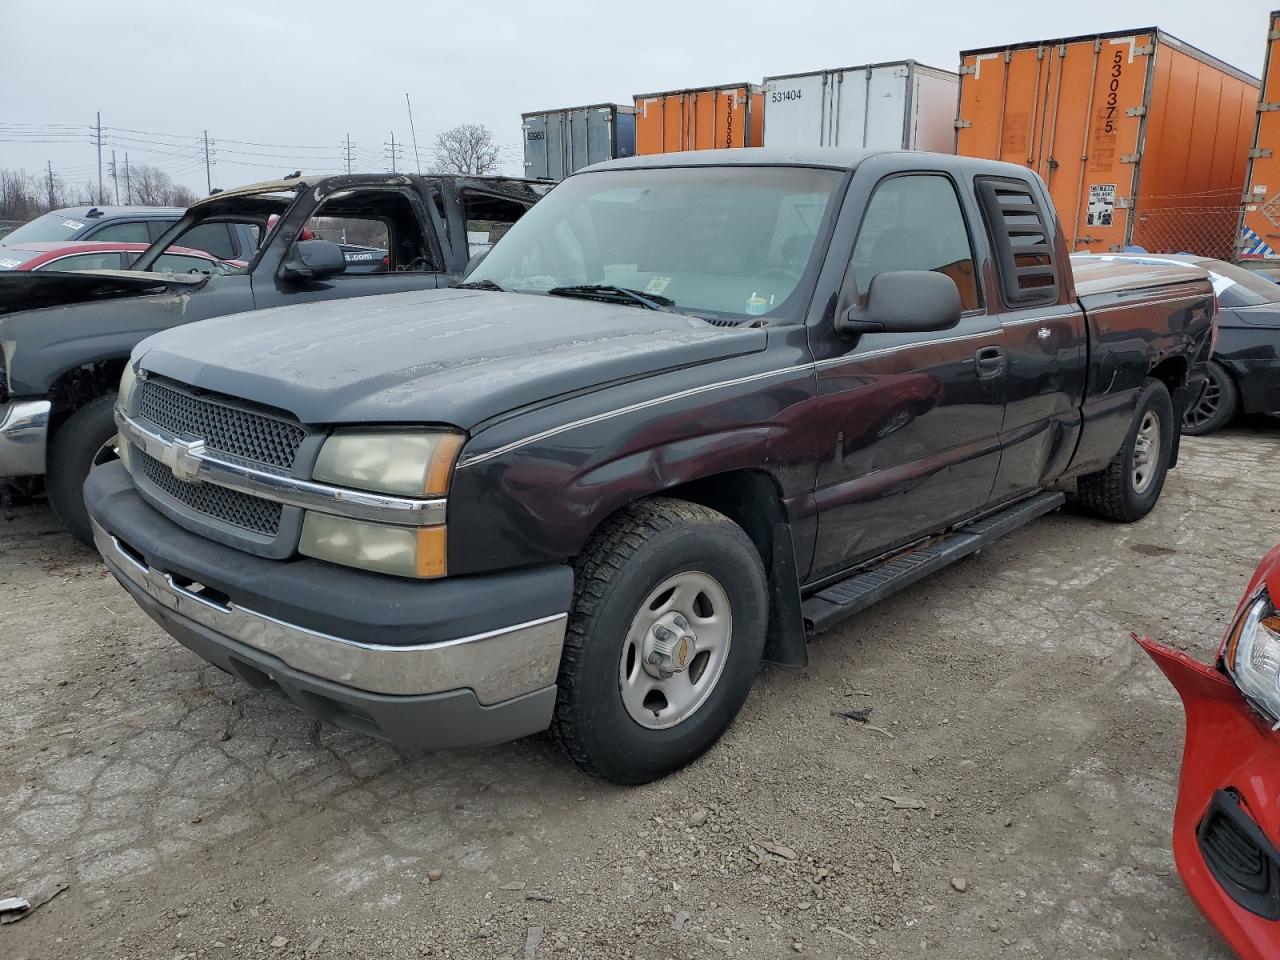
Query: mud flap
[[786, 644]]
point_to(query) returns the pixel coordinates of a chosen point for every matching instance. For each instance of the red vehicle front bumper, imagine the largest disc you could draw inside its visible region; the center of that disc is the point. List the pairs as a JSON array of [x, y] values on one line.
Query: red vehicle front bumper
[[1226, 830]]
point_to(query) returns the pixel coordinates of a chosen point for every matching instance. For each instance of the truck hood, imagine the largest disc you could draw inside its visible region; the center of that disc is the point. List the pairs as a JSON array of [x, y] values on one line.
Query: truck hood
[[452, 356], [33, 289]]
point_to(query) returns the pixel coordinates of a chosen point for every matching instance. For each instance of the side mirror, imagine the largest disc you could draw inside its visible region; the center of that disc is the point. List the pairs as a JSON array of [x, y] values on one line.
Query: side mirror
[[904, 301], [314, 260]]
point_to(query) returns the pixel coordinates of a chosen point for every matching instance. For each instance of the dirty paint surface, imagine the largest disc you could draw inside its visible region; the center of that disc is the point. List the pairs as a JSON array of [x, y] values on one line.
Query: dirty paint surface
[[1031, 747]]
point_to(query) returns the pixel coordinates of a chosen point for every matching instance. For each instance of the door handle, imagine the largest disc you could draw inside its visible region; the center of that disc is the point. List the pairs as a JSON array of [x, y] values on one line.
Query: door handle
[[989, 361]]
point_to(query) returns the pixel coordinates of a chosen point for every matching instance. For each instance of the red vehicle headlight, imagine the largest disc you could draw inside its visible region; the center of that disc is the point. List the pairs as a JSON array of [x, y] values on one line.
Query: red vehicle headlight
[[1252, 654]]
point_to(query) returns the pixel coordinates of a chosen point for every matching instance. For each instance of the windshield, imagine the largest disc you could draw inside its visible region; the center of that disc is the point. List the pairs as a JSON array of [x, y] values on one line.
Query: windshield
[[729, 241], [52, 226]]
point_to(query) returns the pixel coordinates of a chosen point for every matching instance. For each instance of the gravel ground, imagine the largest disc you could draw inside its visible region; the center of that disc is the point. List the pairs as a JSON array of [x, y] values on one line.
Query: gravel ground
[[1011, 796]]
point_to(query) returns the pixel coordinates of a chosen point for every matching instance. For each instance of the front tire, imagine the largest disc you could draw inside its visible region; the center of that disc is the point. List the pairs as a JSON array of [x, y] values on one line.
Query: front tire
[[664, 640], [1216, 407], [84, 441], [1128, 487]]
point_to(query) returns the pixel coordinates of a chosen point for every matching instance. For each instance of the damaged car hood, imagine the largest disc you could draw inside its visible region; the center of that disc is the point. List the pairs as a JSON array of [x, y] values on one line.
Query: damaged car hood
[[35, 289], [449, 356]]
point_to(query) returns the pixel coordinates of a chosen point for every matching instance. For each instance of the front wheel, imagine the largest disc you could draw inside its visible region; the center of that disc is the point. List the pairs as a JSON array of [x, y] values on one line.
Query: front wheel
[[1128, 487], [664, 640], [87, 440]]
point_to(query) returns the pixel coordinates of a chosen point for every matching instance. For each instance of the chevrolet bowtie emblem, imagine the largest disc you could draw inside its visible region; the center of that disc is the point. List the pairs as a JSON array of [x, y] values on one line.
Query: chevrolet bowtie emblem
[[183, 458]]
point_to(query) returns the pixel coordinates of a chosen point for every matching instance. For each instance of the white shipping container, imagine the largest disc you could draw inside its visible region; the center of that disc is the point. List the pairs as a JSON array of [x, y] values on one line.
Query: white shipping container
[[882, 106]]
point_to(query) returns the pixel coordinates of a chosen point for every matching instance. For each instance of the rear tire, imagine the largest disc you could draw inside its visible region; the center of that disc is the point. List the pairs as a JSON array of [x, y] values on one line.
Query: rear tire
[[85, 440], [615, 716], [1128, 487], [1217, 406]]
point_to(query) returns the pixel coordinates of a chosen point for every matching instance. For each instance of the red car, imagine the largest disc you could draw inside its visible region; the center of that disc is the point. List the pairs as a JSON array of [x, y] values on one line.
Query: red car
[[1226, 831], [108, 255]]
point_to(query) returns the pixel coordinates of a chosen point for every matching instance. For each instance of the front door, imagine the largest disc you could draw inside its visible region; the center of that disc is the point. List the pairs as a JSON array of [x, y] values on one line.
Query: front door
[[911, 421]]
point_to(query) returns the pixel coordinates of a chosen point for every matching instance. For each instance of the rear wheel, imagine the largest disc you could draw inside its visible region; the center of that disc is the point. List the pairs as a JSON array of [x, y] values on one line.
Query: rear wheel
[[1217, 406], [1129, 486], [87, 439], [664, 640]]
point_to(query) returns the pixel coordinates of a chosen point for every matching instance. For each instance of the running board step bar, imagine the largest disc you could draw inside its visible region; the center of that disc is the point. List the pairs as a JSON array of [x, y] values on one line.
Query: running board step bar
[[836, 603]]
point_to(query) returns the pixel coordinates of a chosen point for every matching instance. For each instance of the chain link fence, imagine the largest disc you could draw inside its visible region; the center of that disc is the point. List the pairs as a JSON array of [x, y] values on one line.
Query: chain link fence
[[1205, 224]]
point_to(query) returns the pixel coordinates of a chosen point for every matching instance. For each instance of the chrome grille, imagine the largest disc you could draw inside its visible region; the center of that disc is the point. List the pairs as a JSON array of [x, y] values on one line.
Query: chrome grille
[[221, 503], [222, 426]]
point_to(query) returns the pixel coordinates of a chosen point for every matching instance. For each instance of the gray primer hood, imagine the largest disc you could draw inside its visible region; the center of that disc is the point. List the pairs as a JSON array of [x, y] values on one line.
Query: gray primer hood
[[448, 356]]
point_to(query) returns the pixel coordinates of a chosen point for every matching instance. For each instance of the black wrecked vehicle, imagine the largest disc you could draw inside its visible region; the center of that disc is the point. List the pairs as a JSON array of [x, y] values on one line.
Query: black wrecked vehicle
[[689, 410], [64, 337]]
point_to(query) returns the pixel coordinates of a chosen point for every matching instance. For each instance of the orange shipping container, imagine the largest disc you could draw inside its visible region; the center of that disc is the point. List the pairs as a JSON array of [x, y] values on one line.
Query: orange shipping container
[[708, 118], [1141, 138], [1260, 217]]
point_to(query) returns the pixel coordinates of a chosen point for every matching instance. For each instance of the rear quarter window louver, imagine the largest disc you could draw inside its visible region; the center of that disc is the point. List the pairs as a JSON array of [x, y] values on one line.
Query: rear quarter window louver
[[1022, 239]]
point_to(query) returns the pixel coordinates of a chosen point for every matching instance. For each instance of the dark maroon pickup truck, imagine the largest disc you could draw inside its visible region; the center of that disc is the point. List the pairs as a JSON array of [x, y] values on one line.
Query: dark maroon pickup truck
[[691, 409]]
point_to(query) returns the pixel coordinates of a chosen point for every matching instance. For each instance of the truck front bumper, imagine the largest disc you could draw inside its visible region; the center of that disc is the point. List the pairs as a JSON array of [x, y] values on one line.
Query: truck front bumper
[[24, 432], [424, 665]]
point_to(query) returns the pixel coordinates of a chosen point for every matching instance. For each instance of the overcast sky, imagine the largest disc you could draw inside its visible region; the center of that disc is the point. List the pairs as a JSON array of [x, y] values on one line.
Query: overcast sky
[[258, 74]]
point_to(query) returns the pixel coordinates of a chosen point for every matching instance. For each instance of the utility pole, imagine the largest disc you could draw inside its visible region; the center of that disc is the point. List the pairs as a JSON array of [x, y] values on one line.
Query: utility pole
[[52, 202], [208, 175], [349, 149], [115, 177], [99, 141], [128, 190], [393, 151], [416, 159]]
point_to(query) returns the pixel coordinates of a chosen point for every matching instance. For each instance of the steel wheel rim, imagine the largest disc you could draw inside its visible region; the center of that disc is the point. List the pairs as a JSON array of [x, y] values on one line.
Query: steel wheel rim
[[107, 452], [692, 658], [1146, 452], [1207, 408]]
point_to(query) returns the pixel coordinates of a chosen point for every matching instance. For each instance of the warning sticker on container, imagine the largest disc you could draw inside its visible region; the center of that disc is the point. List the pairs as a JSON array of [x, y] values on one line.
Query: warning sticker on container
[[1102, 204]]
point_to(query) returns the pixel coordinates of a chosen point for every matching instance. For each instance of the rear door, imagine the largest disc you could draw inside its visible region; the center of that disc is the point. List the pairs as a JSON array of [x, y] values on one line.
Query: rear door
[[908, 424], [795, 112]]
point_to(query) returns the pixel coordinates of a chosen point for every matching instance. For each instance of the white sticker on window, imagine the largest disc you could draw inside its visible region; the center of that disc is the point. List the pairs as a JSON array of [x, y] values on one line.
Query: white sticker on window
[[656, 284], [73, 224], [9, 263], [1102, 204]]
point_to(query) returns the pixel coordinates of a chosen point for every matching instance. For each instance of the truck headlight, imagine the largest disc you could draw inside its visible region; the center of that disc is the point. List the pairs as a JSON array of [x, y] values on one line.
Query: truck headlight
[[380, 547], [409, 464], [1252, 655]]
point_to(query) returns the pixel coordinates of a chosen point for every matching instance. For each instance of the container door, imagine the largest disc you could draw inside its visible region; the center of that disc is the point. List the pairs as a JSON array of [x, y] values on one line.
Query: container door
[[793, 112], [535, 147], [847, 109], [598, 124], [577, 140], [933, 112], [1260, 224], [886, 108], [625, 129], [649, 125], [557, 145]]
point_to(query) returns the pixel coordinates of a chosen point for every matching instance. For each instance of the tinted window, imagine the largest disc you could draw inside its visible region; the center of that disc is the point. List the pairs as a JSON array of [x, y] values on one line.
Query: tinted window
[[915, 223], [733, 241], [50, 227], [212, 238], [84, 261], [183, 263], [129, 231]]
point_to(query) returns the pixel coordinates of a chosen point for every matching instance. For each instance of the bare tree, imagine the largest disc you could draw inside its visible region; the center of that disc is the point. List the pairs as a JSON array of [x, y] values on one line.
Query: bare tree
[[152, 187], [467, 148]]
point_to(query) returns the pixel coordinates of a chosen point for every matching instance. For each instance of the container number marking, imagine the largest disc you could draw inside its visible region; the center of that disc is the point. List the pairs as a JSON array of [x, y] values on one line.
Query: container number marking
[[1113, 92], [779, 96], [535, 135]]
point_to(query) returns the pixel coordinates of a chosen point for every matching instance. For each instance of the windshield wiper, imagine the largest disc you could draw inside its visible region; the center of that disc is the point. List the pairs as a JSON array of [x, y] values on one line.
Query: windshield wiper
[[481, 285], [608, 293]]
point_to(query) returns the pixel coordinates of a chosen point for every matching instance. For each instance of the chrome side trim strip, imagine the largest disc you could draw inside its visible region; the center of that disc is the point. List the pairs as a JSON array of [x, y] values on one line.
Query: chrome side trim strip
[[497, 665], [24, 434], [192, 462]]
